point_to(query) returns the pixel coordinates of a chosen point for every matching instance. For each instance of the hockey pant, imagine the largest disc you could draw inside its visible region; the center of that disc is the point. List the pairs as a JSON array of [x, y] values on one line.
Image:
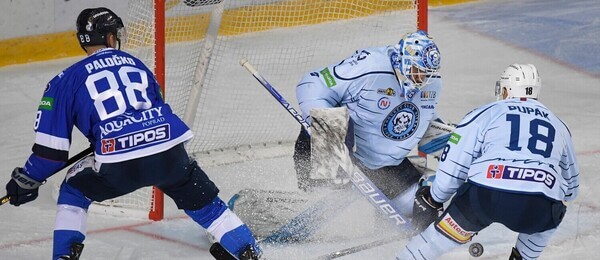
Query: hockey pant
[[171, 171], [473, 208]]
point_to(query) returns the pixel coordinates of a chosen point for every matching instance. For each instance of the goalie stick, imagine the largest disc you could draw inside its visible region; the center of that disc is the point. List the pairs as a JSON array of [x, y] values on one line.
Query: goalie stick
[[357, 177], [71, 160]]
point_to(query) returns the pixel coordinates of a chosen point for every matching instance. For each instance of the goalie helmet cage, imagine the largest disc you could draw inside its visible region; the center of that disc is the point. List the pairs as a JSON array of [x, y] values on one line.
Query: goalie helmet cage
[[194, 48]]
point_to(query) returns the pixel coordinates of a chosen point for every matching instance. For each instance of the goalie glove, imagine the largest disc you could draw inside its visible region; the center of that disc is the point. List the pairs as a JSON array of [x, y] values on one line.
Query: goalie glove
[[436, 137]]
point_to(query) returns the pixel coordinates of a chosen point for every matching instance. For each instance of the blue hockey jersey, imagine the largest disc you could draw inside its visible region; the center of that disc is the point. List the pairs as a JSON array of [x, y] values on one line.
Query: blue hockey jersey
[[116, 103]]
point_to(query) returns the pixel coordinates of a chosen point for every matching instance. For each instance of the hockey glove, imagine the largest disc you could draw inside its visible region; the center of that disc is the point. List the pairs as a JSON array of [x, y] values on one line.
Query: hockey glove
[[425, 210], [22, 188]]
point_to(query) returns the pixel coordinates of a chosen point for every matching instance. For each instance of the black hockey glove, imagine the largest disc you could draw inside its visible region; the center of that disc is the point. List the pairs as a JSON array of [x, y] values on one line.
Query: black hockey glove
[[22, 188], [425, 210]]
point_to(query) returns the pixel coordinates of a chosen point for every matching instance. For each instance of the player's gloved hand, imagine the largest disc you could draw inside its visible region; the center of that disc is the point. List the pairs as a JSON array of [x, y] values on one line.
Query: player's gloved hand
[[21, 188], [425, 210]]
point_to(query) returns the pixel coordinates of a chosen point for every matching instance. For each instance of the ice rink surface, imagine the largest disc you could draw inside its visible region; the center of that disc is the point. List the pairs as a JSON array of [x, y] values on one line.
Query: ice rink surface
[[477, 41]]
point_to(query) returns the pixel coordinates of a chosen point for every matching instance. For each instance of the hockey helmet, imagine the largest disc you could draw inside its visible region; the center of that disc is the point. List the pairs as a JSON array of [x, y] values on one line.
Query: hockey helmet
[[519, 80], [94, 24], [415, 59]]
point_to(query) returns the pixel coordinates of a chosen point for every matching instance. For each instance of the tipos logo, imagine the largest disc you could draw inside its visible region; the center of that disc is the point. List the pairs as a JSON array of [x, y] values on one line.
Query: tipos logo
[[134, 140], [499, 171]]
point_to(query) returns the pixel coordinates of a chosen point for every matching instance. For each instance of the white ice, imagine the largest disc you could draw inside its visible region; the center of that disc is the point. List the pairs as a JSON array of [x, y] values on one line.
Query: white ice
[[472, 61]]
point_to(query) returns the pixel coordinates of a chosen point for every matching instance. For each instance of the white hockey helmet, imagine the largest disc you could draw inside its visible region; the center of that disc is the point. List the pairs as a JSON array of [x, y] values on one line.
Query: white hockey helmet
[[519, 80], [415, 59]]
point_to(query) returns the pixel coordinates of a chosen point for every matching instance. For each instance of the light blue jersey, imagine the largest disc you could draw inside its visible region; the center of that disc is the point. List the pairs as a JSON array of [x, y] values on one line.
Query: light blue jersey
[[515, 145], [387, 124]]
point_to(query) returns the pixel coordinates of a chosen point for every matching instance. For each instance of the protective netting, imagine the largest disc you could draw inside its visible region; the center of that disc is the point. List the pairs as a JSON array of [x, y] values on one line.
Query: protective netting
[[205, 40]]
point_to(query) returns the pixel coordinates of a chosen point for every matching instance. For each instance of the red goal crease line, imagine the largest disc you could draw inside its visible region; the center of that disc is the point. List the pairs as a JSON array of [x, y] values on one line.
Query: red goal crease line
[[126, 228]]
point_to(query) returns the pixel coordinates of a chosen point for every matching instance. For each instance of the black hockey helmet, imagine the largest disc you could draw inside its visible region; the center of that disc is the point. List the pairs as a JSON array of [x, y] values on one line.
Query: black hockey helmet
[[94, 24]]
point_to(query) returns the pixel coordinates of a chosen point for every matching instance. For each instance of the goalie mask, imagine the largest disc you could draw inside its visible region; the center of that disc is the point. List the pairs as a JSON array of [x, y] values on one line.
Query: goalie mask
[[519, 80], [415, 59], [94, 25]]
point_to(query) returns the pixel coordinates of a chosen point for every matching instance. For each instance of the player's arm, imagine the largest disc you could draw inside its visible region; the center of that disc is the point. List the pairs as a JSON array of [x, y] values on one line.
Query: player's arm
[[462, 148], [313, 92], [50, 151], [570, 171]]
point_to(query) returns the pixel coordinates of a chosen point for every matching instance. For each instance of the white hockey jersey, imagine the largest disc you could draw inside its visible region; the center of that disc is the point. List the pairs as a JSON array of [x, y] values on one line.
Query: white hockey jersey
[[387, 124], [515, 145]]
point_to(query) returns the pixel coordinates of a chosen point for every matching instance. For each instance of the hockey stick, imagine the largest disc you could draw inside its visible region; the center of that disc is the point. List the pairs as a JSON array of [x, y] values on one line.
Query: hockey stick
[[71, 160], [357, 177], [361, 247]]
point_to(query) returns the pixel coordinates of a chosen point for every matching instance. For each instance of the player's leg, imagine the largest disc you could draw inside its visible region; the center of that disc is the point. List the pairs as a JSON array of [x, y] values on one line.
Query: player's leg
[[530, 246], [400, 184], [90, 181], [196, 194], [71, 221], [535, 217], [71, 214], [457, 225]]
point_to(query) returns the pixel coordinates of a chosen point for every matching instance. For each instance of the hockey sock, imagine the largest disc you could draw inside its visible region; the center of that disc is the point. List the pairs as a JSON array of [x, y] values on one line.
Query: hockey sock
[[225, 226], [70, 228], [430, 244], [531, 246]]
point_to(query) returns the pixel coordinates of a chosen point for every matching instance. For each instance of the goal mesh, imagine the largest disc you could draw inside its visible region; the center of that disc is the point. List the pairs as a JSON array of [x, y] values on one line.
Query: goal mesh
[[205, 40]]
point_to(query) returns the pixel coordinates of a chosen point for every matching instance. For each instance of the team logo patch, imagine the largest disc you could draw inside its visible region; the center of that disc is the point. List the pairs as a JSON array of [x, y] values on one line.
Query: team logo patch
[[142, 138], [428, 94], [388, 92], [383, 103], [452, 230], [329, 80], [401, 122], [431, 57], [499, 171], [46, 103], [454, 138]]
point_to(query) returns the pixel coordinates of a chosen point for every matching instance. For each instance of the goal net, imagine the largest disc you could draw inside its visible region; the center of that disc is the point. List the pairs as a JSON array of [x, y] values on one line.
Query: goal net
[[204, 41]]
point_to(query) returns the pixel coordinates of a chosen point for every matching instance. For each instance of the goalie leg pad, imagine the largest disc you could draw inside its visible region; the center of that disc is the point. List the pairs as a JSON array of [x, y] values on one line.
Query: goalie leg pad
[[264, 211]]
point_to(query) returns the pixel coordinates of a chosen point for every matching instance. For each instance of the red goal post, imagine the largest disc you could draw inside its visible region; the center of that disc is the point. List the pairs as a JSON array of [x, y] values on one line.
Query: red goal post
[[194, 47]]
